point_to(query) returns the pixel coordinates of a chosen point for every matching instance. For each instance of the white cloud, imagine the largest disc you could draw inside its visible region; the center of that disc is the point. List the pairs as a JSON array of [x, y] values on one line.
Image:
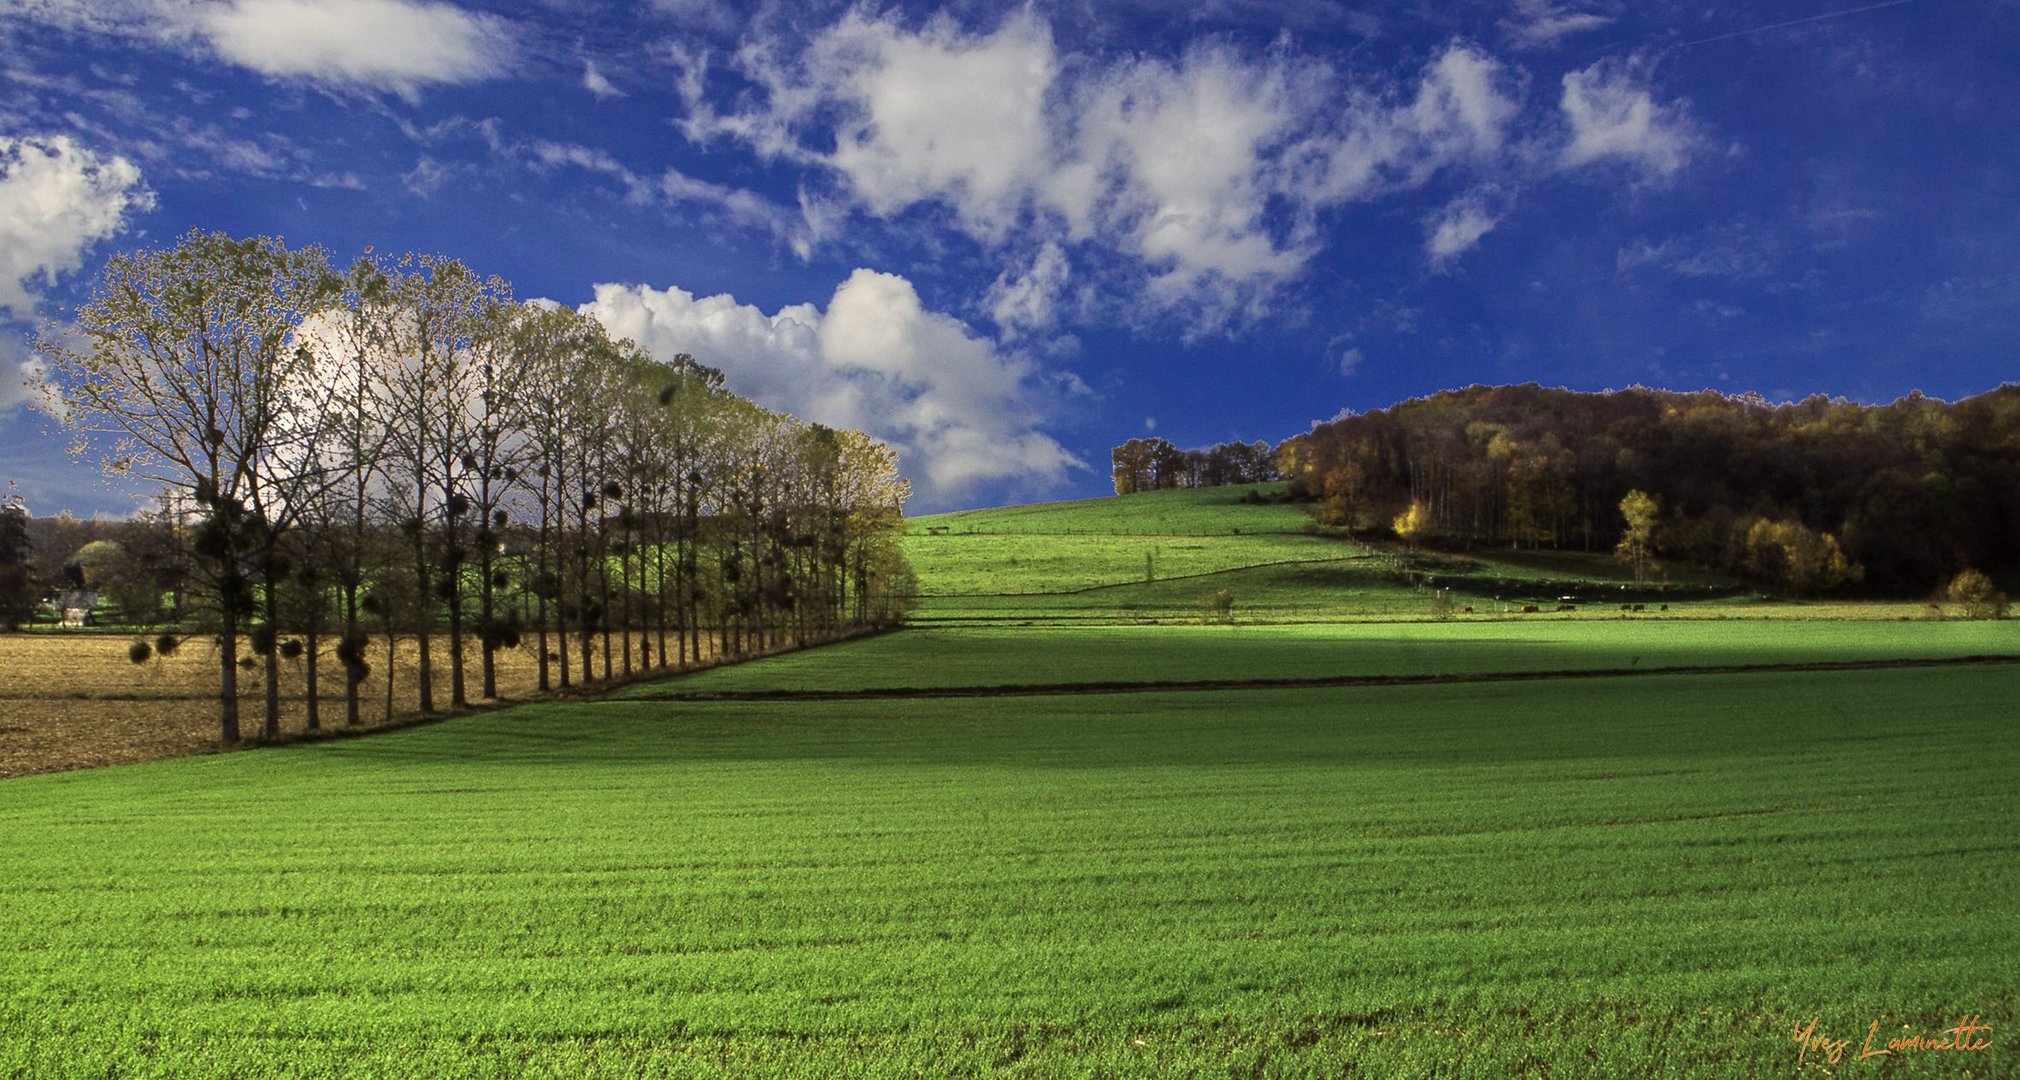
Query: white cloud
[[1455, 229], [939, 114], [1729, 252], [714, 16], [1460, 113], [1029, 301], [596, 83], [1204, 173], [672, 187], [56, 200], [1189, 149], [1613, 116], [1190, 188], [398, 45], [1350, 361], [959, 410], [20, 374], [1537, 24]]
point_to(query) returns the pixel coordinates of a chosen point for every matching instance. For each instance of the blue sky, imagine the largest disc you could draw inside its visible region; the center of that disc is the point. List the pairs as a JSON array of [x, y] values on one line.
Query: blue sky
[[1007, 237]]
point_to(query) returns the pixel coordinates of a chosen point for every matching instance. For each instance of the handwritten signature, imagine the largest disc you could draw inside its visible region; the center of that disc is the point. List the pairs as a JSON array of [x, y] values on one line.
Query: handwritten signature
[[1970, 1035]]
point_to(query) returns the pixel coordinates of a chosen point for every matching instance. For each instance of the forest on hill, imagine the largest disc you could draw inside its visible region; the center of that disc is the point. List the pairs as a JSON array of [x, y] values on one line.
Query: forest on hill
[[1811, 496]]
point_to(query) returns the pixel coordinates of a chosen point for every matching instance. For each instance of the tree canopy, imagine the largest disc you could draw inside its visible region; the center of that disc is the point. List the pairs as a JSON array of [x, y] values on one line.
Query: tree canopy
[[401, 446], [1812, 495]]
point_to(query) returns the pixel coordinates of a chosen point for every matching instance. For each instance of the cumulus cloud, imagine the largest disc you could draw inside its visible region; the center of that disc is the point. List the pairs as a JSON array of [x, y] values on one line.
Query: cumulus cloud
[[1455, 229], [397, 45], [597, 83], [1175, 161], [1204, 173], [1612, 115], [1029, 300], [1193, 185], [57, 199], [960, 411], [939, 114], [1459, 114], [20, 373]]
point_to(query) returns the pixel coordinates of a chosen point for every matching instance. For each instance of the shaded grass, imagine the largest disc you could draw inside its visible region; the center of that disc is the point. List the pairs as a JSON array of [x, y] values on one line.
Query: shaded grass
[[1646, 877], [1001, 656]]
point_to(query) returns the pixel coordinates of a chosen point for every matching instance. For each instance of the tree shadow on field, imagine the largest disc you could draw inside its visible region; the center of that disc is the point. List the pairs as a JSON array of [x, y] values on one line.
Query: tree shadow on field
[[1648, 719]]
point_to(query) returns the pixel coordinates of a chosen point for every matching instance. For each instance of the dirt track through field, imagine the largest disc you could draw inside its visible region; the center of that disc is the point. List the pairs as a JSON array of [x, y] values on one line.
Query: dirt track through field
[[1221, 685]]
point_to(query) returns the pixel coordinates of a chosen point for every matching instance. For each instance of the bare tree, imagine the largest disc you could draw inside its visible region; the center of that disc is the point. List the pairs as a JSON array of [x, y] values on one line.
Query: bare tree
[[179, 370]]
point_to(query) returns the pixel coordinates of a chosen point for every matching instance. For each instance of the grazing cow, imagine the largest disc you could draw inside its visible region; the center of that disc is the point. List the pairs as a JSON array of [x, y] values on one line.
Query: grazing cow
[[1529, 609], [1637, 607]]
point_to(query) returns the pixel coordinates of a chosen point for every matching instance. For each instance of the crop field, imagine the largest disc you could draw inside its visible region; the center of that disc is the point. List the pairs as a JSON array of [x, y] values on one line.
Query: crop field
[[1642, 878], [972, 657], [72, 701], [1081, 833]]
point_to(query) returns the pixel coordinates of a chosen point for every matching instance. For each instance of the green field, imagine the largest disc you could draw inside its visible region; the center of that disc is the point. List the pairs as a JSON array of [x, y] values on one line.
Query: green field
[[750, 871], [1150, 557], [989, 656], [1641, 878]]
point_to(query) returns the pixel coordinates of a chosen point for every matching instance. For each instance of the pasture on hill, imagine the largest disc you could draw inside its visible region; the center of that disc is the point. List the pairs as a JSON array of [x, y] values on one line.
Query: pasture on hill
[[1067, 825], [1153, 557]]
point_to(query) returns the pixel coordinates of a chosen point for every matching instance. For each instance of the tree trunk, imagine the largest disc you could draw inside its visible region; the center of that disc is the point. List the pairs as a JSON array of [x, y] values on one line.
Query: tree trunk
[[312, 709], [227, 679], [272, 729]]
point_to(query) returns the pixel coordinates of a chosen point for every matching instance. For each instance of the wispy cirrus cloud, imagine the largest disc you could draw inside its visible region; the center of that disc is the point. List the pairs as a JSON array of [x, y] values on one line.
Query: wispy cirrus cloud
[[1541, 24]]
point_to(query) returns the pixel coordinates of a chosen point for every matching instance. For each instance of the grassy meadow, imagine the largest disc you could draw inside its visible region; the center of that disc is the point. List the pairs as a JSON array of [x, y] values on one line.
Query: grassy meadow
[[1634, 874]]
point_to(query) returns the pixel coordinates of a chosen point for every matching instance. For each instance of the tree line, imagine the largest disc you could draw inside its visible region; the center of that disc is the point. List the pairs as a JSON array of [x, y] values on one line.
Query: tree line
[[398, 450], [1157, 465], [1813, 495]]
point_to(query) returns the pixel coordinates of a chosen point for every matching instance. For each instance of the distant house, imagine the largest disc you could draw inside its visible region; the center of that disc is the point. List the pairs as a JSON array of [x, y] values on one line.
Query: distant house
[[74, 606]]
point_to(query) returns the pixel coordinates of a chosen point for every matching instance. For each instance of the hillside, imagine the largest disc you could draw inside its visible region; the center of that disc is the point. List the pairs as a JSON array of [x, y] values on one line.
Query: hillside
[[1154, 555]]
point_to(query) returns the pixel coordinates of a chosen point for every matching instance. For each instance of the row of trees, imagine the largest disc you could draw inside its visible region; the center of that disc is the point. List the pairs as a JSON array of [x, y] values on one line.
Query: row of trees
[[1812, 495], [1157, 465], [399, 448]]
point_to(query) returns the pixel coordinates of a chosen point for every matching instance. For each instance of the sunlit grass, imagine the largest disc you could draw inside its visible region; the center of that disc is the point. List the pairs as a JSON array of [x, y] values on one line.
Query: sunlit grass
[[1653, 877]]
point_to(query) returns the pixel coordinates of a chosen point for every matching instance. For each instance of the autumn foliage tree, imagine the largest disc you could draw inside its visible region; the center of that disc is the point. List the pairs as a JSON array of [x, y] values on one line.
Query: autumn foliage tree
[[1894, 498], [1638, 510]]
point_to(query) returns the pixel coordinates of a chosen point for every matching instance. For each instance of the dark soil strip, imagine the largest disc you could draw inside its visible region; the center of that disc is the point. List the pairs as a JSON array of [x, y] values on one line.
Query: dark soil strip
[[1047, 689]]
